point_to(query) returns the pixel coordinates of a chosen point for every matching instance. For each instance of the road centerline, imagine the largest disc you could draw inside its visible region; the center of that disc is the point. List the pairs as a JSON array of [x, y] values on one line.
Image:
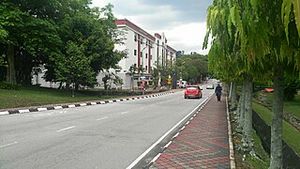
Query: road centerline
[[64, 129], [125, 112], [103, 118]]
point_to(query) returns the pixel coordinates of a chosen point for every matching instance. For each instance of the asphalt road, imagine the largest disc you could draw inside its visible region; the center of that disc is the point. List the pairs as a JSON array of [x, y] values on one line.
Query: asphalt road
[[109, 136]]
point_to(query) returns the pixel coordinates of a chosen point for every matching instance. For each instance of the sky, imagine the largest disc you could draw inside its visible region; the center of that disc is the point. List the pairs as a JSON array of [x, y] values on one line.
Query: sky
[[182, 21]]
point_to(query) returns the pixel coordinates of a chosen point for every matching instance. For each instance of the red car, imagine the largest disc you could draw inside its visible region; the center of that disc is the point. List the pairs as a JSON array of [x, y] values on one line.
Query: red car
[[193, 91]]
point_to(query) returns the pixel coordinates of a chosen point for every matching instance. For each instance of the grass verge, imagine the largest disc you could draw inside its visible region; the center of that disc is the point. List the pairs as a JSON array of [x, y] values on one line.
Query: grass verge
[[293, 107], [35, 96], [262, 160], [290, 135]]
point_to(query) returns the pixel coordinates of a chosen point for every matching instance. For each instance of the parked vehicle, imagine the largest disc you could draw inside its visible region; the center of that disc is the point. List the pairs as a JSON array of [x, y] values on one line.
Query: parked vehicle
[[193, 91]]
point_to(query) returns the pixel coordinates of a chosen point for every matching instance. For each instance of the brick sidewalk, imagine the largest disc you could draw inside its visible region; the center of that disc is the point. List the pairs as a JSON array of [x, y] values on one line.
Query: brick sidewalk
[[202, 144]]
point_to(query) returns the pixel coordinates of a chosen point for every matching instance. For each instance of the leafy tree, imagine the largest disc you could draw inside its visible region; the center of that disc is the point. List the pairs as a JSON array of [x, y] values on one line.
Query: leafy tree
[[75, 68], [251, 36], [29, 38], [192, 68]]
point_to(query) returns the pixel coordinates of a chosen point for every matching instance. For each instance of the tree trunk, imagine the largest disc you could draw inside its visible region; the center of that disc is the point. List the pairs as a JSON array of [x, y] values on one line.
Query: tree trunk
[[242, 107], [276, 128], [76, 86], [230, 90], [247, 129], [132, 83], [233, 95], [60, 85], [11, 71]]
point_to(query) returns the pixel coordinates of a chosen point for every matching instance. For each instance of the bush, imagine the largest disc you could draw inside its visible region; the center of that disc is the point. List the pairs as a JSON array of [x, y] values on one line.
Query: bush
[[290, 90], [7, 86]]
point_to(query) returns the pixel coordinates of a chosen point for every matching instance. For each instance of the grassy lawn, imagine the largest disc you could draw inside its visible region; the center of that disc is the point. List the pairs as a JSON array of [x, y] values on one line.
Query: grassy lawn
[[34, 96], [293, 107], [290, 135]]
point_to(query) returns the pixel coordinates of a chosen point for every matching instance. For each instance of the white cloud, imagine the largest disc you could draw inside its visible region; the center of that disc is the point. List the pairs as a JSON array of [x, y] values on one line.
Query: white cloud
[[188, 37], [181, 34]]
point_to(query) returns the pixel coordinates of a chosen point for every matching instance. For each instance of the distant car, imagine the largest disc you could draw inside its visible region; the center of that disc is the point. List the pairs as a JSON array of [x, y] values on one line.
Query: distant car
[[269, 90], [181, 84], [210, 86], [193, 91]]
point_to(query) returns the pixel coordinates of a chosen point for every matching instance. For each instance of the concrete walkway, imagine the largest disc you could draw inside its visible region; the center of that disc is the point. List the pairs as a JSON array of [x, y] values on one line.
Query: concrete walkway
[[202, 144]]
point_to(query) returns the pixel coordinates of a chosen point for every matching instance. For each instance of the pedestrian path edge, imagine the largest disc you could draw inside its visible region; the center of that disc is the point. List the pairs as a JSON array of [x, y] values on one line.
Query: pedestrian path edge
[[231, 149]]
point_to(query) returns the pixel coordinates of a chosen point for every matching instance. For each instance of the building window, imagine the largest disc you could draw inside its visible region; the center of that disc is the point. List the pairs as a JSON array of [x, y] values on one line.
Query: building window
[[134, 52], [141, 40], [135, 37], [150, 57], [146, 67], [146, 55], [141, 54]]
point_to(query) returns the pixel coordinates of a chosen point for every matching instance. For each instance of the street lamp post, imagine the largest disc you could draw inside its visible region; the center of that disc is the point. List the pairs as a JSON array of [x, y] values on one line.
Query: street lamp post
[[142, 74]]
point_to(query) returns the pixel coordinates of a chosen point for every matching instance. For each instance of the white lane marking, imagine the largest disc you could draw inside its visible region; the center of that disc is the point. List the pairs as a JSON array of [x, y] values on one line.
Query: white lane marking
[[24, 111], [166, 146], [64, 129], [161, 138], [41, 114], [6, 145], [125, 112], [41, 109], [103, 118], [4, 113], [63, 111], [156, 157], [175, 136]]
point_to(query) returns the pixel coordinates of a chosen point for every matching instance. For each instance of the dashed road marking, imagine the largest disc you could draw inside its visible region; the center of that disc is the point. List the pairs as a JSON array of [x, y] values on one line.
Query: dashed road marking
[[9, 144], [64, 129], [103, 118], [124, 112]]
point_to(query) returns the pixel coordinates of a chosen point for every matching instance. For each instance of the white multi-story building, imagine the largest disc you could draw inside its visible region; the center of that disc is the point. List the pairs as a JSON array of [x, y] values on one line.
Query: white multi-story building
[[144, 52]]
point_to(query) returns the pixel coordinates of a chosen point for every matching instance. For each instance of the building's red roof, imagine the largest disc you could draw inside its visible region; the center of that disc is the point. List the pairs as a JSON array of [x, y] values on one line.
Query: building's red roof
[[134, 27], [157, 35]]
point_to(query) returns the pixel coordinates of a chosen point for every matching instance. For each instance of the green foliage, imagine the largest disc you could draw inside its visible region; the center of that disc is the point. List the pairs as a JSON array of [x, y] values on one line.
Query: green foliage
[[192, 68], [39, 31], [290, 134], [8, 86], [288, 7], [290, 88], [75, 67]]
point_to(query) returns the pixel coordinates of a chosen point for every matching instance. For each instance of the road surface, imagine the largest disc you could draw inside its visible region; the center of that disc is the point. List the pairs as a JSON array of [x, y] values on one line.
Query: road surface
[[109, 136]]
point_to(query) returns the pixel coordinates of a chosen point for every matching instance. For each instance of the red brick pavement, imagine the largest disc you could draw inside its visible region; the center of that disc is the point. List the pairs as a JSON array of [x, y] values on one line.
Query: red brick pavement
[[202, 144]]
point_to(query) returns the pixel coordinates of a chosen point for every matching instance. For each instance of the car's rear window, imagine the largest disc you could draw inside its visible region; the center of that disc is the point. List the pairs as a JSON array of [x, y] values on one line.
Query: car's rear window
[[191, 88]]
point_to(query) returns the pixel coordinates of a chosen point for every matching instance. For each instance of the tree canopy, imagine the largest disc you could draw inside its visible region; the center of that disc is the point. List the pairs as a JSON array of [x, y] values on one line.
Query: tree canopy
[[35, 33]]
